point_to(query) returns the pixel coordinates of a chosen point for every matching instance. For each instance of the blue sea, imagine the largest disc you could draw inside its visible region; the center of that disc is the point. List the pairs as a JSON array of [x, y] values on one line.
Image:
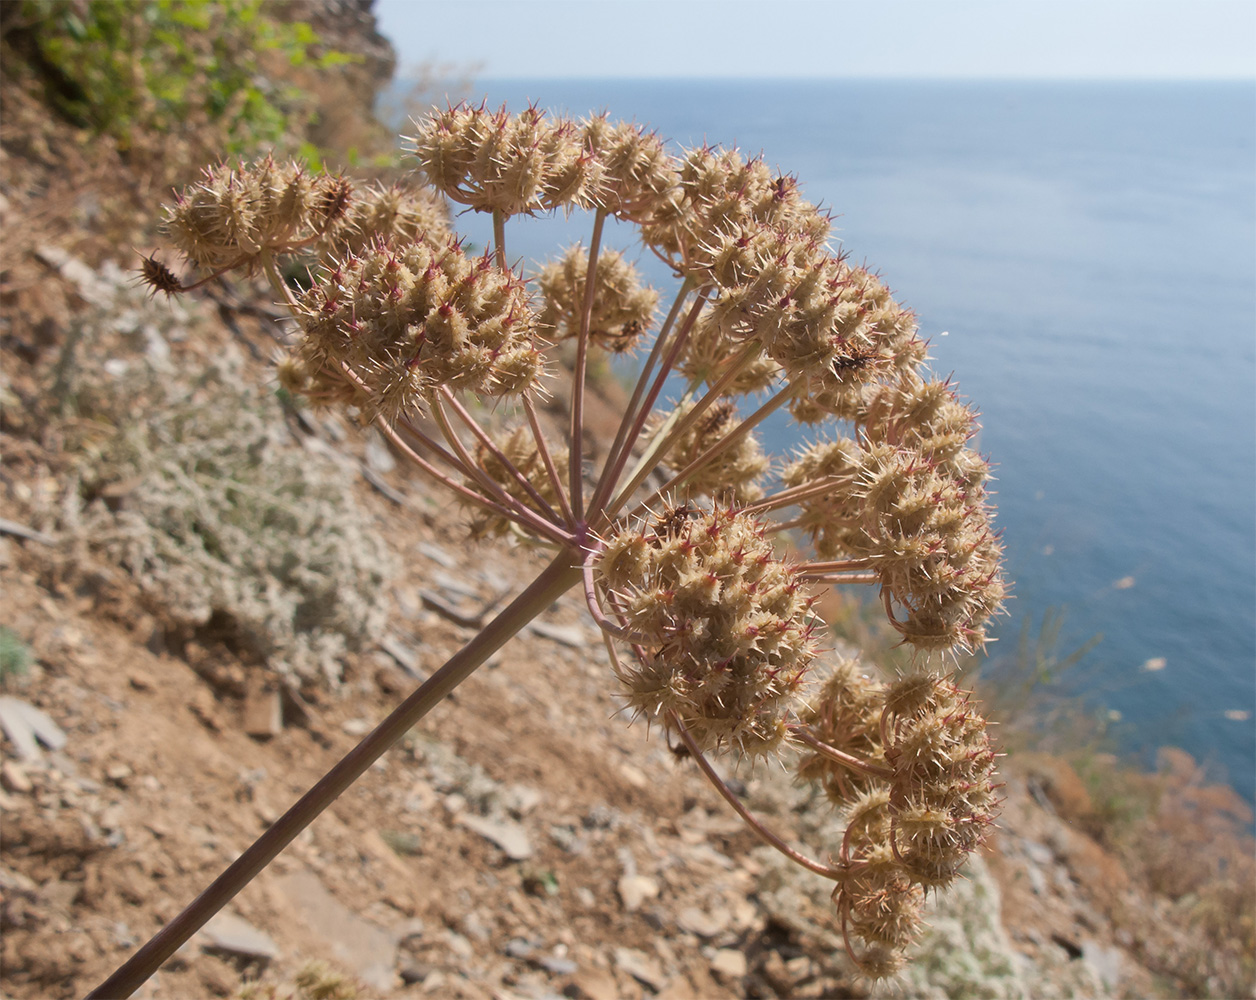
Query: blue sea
[[1083, 257]]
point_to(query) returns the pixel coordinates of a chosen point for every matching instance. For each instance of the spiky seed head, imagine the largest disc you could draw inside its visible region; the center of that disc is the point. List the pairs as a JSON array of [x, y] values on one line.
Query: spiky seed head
[[237, 213], [721, 643], [623, 308], [519, 448], [845, 712], [942, 793], [158, 277], [493, 161], [732, 475], [395, 214], [405, 320]]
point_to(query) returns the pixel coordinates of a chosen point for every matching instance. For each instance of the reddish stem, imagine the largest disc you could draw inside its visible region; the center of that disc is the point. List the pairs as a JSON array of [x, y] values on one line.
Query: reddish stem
[[764, 834], [582, 360], [553, 581], [845, 759]]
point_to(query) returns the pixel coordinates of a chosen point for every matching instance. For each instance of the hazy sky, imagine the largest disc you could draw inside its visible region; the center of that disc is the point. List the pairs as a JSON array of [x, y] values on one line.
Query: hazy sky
[[1123, 39]]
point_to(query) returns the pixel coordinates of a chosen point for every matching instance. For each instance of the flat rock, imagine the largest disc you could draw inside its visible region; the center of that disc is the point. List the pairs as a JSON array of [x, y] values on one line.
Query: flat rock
[[520, 948], [118, 774], [438, 555], [1105, 961], [635, 890], [407, 657], [357, 727], [557, 966], [641, 967], [378, 457], [236, 936], [704, 924], [263, 710], [728, 964], [520, 800], [509, 836], [706, 854], [14, 777], [573, 636], [594, 984], [27, 727], [91, 286], [366, 950]]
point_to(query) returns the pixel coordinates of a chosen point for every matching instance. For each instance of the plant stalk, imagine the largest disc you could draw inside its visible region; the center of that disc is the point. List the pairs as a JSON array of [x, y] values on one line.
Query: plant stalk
[[557, 578]]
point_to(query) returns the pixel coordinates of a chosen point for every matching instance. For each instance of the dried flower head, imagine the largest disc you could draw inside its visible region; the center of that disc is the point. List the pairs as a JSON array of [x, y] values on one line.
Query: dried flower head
[[623, 308], [493, 161], [635, 175], [158, 277], [721, 624], [942, 795], [845, 713], [732, 475], [238, 213], [723, 198], [877, 901], [394, 214], [510, 462], [909, 501], [714, 355], [911, 766], [400, 322]]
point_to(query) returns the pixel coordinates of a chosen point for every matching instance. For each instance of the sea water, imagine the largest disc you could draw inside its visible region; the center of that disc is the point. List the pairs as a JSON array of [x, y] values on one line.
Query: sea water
[[1083, 257]]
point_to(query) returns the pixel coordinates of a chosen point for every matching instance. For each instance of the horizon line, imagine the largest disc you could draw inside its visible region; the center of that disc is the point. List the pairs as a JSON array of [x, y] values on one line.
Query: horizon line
[[906, 78]]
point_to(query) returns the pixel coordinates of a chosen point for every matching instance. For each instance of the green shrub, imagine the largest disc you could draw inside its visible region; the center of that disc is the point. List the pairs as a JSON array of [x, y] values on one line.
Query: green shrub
[[15, 655], [193, 484], [177, 68]]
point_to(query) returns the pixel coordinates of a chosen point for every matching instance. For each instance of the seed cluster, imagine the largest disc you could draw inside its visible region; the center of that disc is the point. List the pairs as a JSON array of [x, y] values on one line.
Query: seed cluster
[[721, 623], [877, 901], [493, 161], [409, 319], [911, 829], [520, 450], [846, 714], [623, 308], [238, 213], [732, 474], [393, 214], [746, 231], [909, 498]]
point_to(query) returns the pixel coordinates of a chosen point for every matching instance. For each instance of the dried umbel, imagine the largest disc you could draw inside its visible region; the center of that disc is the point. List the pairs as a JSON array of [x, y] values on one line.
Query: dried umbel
[[721, 626], [707, 618], [237, 214], [391, 326], [912, 767], [622, 308]]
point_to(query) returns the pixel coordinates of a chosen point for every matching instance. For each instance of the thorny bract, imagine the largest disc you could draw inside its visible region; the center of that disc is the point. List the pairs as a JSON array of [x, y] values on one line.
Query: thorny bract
[[676, 536]]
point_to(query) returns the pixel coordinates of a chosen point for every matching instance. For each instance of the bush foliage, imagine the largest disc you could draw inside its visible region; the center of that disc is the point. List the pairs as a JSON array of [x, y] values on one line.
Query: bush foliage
[[210, 72]]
